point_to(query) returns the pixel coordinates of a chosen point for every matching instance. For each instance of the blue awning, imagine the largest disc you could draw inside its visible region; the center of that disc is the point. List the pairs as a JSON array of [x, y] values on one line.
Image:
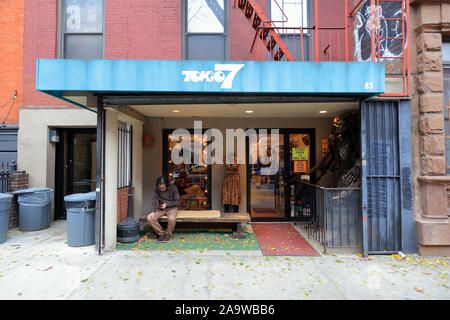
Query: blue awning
[[74, 78]]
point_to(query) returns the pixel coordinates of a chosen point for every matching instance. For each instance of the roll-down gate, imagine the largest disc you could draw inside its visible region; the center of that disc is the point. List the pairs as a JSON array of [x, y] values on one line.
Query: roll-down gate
[[387, 205]]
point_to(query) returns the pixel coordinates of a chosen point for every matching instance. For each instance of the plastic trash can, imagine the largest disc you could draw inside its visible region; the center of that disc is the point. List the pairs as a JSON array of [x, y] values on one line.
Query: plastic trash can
[[5, 206], [34, 208], [80, 219]]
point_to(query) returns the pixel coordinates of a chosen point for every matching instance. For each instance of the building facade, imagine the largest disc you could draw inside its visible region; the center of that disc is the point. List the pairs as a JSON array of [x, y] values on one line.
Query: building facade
[[430, 131], [11, 65], [401, 207]]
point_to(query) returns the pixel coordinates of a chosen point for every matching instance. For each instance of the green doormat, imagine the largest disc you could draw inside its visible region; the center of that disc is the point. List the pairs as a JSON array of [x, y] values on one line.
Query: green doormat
[[195, 241]]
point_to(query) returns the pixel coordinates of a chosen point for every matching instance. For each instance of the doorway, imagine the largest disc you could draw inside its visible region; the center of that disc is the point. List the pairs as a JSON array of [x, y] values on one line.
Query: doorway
[[271, 196], [75, 165]]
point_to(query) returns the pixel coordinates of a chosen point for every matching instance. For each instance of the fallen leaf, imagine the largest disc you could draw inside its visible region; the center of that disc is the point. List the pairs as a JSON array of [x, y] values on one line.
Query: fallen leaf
[[418, 290]]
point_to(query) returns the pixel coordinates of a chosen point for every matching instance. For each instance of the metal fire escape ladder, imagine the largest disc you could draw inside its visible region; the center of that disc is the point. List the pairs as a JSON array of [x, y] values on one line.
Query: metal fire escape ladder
[[404, 56], [265, 29]]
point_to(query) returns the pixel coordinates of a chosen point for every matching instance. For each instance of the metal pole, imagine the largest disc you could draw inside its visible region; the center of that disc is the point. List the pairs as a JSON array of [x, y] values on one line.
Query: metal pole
[[316, 30], [99, 204], [130, 186], [346, 32], [372, 29]]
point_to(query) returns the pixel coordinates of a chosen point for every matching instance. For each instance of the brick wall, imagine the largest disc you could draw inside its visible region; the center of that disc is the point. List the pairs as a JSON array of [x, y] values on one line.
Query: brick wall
[[11, 57], [122, 204], [40, 41], [17, 181], [142, 29]]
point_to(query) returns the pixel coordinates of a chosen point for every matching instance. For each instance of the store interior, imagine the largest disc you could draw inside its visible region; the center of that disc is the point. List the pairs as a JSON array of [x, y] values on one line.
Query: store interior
[[304, 129]]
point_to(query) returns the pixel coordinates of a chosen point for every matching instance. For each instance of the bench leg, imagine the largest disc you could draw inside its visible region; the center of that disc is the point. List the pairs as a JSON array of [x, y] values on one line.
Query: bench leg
[[238, 233]]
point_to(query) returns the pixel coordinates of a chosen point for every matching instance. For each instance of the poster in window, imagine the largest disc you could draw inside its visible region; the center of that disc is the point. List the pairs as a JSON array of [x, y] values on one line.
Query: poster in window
[[300, 166], [325, 147], [300, 154]]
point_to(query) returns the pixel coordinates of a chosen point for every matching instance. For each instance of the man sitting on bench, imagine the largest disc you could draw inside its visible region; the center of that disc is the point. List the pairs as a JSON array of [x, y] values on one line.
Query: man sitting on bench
[[165, 202]]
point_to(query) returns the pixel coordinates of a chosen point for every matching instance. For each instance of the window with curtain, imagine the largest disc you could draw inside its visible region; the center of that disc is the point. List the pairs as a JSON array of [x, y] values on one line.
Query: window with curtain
[[81, 29]]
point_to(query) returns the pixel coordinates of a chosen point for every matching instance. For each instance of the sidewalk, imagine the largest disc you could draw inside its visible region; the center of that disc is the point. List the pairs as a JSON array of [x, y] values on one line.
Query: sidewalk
[[40, 265]]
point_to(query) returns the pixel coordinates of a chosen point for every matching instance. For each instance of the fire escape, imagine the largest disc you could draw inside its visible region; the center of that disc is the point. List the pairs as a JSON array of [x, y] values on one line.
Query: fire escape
[[369, 30]]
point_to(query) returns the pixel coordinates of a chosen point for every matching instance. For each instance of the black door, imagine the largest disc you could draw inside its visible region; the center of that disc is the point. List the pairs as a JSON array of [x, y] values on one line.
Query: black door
[[273, 196], [75, 165]]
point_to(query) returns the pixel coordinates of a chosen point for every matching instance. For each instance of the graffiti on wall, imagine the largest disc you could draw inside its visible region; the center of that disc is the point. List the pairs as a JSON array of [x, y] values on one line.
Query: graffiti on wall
[[390, 29]]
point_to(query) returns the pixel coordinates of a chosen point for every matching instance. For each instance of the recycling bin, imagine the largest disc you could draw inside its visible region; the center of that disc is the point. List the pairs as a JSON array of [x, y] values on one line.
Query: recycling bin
[[34, 208], [5, 206], [80, 219]]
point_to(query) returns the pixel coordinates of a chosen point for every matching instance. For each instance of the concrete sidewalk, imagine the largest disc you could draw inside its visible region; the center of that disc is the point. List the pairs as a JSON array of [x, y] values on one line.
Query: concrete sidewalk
[[40, 265]]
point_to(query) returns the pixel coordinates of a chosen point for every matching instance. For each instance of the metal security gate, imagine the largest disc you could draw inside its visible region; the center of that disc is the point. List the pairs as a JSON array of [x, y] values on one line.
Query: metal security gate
[[8, 146], [388, 219]]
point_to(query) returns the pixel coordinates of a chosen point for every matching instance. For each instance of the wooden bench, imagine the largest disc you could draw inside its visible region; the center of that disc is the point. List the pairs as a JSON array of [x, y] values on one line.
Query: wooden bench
[[196, 220]]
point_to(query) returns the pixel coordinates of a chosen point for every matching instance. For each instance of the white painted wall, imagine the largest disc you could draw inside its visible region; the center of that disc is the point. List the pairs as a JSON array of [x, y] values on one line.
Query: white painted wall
[[35, 154]]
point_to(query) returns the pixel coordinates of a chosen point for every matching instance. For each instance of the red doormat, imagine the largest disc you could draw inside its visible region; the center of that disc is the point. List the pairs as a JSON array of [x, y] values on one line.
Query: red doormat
[[281, 239]]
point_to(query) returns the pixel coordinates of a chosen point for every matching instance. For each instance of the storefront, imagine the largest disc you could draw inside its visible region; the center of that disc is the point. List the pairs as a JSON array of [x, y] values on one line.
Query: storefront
[[297, 100]]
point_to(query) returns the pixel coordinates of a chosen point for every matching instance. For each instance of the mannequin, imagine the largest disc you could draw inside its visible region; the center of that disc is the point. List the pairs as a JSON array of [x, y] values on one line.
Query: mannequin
[[231, 193]]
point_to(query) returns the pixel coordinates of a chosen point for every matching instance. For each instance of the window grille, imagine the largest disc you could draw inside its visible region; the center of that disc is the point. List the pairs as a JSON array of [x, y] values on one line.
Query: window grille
[[125, 136]]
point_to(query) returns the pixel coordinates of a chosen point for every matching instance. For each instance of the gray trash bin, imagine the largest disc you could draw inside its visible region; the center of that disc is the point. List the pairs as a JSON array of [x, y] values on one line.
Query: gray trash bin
[[5, 206], [34, 208], [80, 219]]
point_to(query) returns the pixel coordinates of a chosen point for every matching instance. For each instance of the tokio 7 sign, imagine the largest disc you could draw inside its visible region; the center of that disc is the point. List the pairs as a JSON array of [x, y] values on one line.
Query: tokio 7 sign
[[218, 75]]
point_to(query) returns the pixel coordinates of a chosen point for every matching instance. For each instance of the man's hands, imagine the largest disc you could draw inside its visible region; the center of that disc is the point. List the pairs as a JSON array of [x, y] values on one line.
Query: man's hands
[[152, 214]]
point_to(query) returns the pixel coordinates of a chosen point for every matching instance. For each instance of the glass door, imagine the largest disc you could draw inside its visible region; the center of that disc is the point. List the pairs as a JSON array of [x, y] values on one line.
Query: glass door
[[266, 188], [299, 164], [277, 195], [75, 165], [83, 162]]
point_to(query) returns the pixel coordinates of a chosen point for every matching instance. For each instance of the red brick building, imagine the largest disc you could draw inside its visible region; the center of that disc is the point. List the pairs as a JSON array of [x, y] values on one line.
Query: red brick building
[[11, 66], [169, 30]]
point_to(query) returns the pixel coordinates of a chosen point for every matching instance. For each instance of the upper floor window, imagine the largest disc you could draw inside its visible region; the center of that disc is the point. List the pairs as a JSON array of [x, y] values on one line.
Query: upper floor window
[[446, 69], [81, 29], [205, 29], [289, 14]]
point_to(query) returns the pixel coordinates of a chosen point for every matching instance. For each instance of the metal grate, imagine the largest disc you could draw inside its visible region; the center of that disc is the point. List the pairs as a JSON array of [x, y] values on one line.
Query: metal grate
[[125, 136], [4, 177], [336, 217]]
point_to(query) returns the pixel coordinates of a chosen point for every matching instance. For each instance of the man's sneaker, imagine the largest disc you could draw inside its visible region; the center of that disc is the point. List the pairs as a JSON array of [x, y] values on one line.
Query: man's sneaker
[[161, 238]]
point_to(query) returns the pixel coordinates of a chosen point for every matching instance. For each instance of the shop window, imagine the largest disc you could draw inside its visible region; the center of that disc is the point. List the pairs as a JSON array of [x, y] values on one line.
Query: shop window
[[81, 29], [446, 69], [192, 180], [205, 29]]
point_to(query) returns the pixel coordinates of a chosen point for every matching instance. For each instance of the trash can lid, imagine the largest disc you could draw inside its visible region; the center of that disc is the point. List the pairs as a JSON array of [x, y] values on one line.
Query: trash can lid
[[81, 197], [32, 190], [5, 196]]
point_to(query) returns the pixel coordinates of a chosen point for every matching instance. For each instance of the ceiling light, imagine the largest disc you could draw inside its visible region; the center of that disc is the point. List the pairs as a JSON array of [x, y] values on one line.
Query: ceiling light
[[323, 111], [248, 111], [175, 110]]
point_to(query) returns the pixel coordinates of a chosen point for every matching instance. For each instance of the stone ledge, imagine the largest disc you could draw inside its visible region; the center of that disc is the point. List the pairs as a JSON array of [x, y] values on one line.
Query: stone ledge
[[433, 233], [434, 179]]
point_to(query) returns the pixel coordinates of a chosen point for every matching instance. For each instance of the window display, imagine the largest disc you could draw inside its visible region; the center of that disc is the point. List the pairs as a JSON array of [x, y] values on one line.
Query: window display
[[192, 180]]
